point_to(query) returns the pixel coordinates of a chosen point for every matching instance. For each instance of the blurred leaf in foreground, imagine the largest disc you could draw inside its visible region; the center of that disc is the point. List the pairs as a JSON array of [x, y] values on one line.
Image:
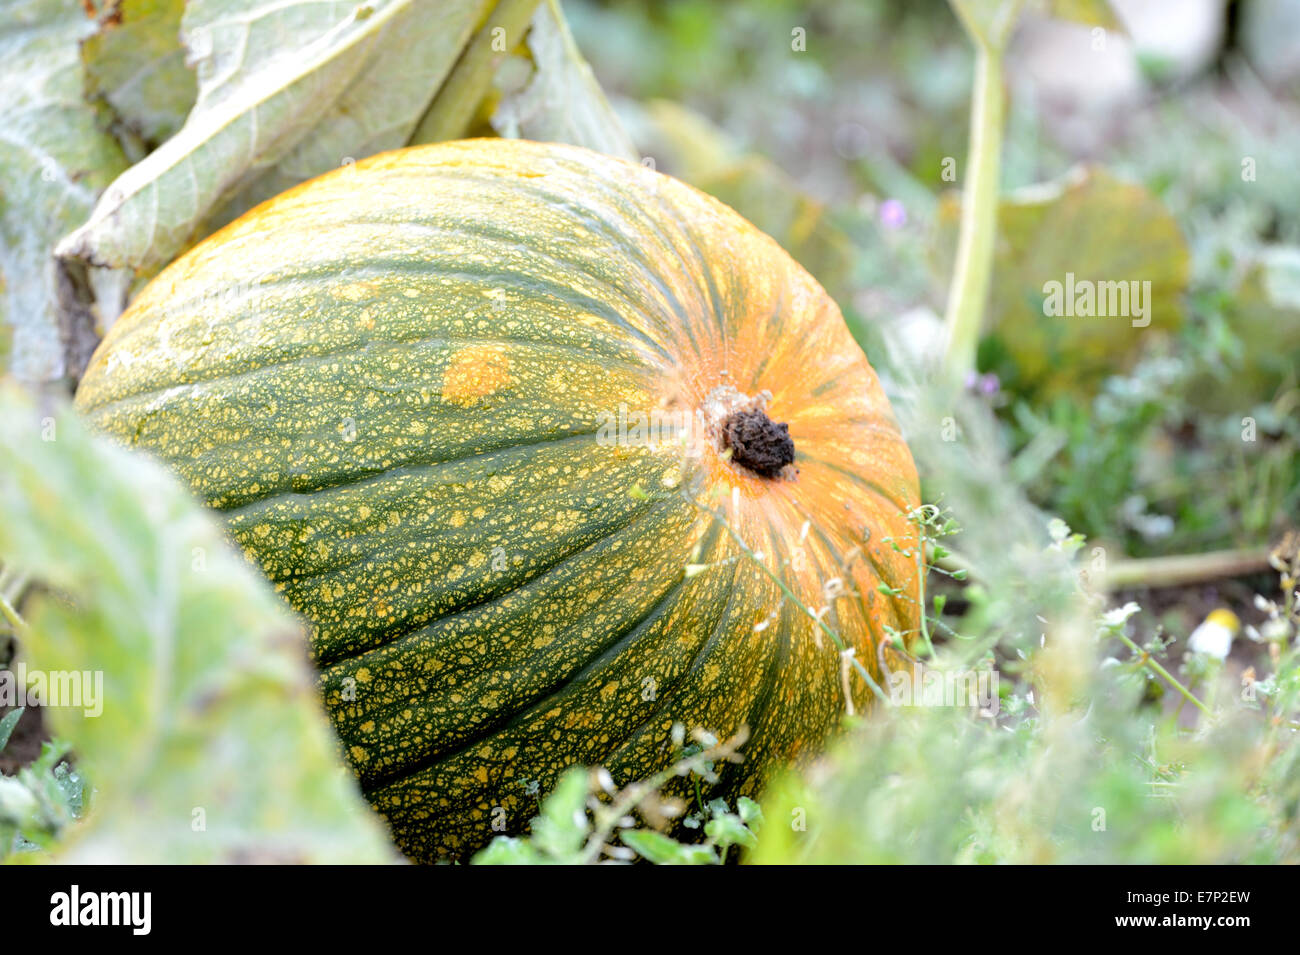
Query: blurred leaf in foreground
[[1085, 271], [211, 745], [54, 160]]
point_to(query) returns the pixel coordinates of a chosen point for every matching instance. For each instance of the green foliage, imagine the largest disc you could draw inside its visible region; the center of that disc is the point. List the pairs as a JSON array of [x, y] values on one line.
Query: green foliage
[[1078, 767], [41, 803], [1256, 350], [1142, 466], [208, 742], [583, 814], [1097, 230], [1134, 439]]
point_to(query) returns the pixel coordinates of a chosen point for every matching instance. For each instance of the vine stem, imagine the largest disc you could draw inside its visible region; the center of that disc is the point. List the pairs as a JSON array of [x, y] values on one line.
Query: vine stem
[[1174, 571], [10, 614], [452, 110], [1184, 568], [973, 270], [1149, 661], [921, 571]]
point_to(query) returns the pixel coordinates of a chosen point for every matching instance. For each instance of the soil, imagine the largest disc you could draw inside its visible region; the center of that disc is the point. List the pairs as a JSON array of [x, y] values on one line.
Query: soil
[[25, 743]]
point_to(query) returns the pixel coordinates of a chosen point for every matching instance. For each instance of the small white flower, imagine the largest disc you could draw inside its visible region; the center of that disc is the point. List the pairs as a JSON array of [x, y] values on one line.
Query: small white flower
[[1116, 616], [1214, 636]]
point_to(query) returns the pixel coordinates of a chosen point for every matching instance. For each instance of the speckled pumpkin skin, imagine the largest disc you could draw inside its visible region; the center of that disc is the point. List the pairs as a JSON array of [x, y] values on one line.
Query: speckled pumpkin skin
[[391, 381]]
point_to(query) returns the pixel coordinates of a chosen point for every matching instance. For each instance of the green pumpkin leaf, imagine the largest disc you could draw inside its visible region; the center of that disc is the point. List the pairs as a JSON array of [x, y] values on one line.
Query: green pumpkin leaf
[[562, 101], [379, 109], [468, 89], [300, 86], [198, 720], [137, 65], [1083, 234], [54, 160]]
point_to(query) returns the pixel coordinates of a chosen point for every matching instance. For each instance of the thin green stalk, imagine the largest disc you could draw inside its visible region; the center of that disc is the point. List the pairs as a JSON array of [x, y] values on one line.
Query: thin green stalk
[[1148, 660], [979, 217], [9, 613], [1176, 570], [453, 107], [1181, 569], [921, 572]]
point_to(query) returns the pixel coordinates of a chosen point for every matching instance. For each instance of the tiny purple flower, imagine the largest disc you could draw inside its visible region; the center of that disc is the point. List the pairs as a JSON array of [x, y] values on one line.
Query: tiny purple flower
[[893, 213], [987, 384]]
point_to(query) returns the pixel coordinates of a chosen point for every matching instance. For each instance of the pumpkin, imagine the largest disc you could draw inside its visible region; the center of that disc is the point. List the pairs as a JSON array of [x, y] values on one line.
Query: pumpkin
[[492, 416]]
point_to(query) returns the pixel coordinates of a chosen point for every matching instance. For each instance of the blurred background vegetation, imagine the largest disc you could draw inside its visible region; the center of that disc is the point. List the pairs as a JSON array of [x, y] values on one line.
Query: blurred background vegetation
[[1109, 486]]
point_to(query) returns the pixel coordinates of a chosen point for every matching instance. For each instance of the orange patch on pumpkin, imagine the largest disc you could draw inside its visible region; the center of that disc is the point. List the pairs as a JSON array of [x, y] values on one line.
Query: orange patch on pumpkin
[[475, 372]]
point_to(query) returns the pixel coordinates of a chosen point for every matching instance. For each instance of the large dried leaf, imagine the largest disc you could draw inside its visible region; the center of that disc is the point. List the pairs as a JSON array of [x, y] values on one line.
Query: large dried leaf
[[137, 64], [54, 160], [380, 109], [302, 84], [210, 744]]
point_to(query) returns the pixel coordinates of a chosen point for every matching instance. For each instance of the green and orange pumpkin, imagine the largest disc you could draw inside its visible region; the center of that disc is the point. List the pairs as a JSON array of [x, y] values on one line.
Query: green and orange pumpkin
[[487, 414]]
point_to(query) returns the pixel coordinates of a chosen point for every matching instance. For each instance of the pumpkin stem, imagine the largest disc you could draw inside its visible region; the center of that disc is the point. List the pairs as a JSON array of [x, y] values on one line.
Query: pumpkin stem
[[757, 442]]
